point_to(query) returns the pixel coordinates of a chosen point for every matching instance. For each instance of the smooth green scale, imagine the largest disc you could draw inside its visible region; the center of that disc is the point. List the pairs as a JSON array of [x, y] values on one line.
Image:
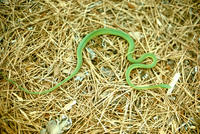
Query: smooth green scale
[[135, 63]]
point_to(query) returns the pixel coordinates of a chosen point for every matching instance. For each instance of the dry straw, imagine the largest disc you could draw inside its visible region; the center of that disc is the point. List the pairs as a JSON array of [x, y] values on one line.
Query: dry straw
[[38, 41]]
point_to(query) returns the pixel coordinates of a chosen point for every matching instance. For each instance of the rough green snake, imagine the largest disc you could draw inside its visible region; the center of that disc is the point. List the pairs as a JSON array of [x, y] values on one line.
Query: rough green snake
[[135, 63]]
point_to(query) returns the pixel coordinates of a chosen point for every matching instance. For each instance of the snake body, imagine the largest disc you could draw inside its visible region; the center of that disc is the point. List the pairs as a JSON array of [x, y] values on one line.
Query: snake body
[[136, 63]]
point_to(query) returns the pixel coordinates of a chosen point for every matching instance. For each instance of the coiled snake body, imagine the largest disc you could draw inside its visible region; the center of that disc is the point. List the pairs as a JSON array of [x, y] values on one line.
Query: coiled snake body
[[135, 63]]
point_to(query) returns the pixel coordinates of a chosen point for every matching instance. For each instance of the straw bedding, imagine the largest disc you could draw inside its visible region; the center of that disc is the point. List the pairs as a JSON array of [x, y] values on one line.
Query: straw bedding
[[38, 41]]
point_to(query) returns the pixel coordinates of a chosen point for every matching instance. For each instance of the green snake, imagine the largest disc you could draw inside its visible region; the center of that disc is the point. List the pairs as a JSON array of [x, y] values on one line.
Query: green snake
[[135, 63]]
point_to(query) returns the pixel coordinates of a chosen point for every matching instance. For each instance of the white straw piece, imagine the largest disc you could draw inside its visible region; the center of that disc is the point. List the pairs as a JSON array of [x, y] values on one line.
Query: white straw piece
[[173, 83]]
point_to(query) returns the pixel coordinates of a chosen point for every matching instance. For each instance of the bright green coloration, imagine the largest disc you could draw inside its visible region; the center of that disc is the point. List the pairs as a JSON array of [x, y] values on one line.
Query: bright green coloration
[[136, 63]]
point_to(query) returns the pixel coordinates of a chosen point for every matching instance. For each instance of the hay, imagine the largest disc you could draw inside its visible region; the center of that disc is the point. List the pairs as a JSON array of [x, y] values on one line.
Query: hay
[[38, 41]]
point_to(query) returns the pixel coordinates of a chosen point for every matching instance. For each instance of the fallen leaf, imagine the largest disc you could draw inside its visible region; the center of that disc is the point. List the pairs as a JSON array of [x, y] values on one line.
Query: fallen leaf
[[130, 5]]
